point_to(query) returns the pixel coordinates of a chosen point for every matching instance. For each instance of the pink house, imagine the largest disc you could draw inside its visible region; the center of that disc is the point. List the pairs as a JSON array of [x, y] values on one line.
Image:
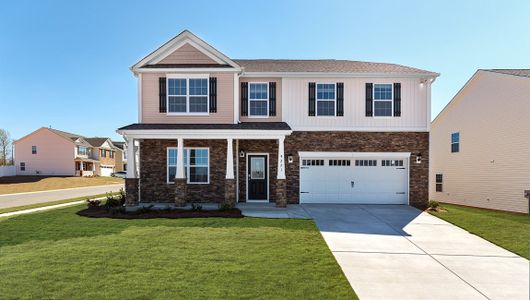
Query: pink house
[[53, 152]]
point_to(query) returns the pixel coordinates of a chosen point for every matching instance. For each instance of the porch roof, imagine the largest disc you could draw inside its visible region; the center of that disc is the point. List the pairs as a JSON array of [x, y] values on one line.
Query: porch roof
[[248, 130], [239, 126]]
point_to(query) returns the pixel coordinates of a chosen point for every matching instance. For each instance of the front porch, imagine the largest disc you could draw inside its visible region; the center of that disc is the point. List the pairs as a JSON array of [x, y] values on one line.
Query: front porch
[[217, 165], [85, 167]]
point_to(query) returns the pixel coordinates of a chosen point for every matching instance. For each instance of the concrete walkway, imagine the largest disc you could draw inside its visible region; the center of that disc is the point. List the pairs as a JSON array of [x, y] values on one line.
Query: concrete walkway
[[399, 252], [21, 199]]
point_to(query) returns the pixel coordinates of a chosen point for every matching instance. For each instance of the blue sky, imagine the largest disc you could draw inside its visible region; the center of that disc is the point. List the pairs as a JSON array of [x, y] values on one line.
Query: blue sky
[[66, 63]]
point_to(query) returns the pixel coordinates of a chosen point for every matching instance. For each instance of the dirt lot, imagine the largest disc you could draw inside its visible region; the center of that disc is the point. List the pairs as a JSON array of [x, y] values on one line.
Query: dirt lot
[[21, 184]]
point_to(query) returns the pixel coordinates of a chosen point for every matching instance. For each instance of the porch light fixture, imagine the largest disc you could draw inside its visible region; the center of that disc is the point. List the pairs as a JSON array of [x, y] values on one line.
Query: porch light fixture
[[418, 158], [290, 158], [242, 153]]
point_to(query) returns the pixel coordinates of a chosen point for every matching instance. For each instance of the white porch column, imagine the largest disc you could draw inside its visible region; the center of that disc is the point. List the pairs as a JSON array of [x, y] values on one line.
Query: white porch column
[[131, 168], [281, 159], [81, 165], [180, 159], [229, 159]]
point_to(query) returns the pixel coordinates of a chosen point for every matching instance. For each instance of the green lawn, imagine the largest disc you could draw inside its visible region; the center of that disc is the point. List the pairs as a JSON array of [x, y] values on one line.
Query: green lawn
[[43, 204], [57, 254], [508, 230]]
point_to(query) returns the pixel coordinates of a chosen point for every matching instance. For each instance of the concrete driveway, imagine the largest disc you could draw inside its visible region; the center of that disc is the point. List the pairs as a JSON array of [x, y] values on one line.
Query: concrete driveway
[[399, 252], [20, 199]]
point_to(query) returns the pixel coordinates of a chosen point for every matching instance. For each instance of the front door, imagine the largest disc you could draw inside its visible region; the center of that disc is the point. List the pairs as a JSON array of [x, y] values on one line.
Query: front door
[[257, 177]]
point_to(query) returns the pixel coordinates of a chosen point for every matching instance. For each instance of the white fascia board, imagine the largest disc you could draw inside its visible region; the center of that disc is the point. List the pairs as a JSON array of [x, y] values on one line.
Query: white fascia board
[[329, 74], [307, 154], [364, 129], [187, 70], [206, 134]]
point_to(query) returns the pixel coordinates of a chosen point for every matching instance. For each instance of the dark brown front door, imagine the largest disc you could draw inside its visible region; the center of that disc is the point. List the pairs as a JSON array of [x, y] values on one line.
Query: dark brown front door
[[257, 177]]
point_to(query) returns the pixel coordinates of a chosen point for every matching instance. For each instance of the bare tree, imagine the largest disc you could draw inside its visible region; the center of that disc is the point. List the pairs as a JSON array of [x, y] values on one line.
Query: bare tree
[[5, 142]]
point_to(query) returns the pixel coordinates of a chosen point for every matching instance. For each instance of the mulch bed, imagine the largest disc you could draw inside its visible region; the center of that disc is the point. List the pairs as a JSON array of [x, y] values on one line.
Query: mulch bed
[[101, 212]]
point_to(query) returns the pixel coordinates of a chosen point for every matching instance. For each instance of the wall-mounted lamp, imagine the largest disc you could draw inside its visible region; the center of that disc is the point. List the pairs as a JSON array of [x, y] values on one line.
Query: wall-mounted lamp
[[290, 158], [423, 81], [418, 158], [242, 153]]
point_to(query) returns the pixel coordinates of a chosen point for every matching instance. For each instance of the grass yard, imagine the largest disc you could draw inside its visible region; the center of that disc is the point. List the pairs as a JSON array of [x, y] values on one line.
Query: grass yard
[[57, 254], [508, 230], [43, 204], [22, 184]]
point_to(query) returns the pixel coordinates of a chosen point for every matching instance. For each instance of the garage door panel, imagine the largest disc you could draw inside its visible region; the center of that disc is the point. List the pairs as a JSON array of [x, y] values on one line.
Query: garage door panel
[[371, 184]]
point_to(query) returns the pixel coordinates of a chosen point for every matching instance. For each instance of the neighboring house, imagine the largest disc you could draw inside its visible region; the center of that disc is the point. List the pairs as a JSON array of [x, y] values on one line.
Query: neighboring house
[[123, 161], [480, 143], [48, 151], [215, 129]]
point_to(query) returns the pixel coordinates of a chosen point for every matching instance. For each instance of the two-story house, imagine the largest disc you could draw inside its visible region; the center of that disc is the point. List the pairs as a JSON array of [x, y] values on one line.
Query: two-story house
[[48, 151], [216, 129]]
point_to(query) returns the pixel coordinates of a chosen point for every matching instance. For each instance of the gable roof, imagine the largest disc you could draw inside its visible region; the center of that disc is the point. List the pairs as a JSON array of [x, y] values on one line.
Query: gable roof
[[183, 38], [68, 135], [120, 145], [326, 66], [96, 141], [515, 72]]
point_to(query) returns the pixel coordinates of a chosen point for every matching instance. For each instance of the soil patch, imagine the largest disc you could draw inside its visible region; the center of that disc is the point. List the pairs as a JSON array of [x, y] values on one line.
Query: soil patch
[[101, 212]]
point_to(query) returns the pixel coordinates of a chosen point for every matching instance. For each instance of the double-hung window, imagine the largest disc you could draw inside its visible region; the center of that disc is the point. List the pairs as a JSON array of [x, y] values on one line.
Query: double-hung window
[[33, 149], [455, 142], [258, 99], [82, 151], [439, 182], [326, 98], [383, 100], [196, 165], [187, 95]]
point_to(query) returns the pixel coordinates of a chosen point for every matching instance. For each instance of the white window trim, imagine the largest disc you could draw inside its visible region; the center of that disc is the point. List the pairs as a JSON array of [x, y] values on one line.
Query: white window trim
[[249, 100], [187, 77], [387, 100], [326, 100], [187, 164]]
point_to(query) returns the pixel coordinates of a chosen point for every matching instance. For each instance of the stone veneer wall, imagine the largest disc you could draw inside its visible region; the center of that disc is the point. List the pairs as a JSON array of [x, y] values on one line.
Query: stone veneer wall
[[153, 172], [153, 162], [339, 141]]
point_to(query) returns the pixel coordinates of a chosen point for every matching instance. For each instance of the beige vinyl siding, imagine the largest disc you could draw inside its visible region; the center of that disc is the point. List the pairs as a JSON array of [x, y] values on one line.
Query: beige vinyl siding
[[492, 169], [187, 54], [225, 101], [414, 106], [278, 117]]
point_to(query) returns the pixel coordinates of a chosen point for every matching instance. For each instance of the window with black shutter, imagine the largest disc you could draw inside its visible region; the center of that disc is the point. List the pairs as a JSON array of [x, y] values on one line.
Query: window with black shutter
[[243, 94], [162, 94], [312, 97], [213, 94], [369, 99]]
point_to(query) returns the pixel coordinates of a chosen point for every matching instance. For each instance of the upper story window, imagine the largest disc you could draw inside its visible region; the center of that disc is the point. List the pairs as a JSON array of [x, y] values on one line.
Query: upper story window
[[103, 153], [383, 100], [258, 98], [187, 95], [326, 98], [111, 154], [33, 149], [82, 150], [455, 142]]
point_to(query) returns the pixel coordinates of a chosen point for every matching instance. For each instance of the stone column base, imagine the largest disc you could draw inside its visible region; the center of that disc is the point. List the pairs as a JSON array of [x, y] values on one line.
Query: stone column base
[[230, 193], [181, 192], [131, 191], [281, 193]]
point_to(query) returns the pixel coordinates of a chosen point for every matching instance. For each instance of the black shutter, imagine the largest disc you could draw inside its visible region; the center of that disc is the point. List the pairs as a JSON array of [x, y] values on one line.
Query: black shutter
[[369, 99], [340, 99], [272, 99], [162, 94], [312, 99], [397, 99], [244, 98], [213, 94]]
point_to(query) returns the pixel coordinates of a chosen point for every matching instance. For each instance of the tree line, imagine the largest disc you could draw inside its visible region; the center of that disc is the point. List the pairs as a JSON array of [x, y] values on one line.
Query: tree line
[[6, 157]]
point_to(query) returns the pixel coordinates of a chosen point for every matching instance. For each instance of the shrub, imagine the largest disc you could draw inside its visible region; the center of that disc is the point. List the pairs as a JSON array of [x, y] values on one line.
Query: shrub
[[196, 207], [115, 200], [224, 207], [433, 204], [117, 210], [93, 203]]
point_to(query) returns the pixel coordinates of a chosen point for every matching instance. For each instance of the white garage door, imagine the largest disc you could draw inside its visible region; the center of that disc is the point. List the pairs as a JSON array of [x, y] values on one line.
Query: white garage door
[[105, 171], [354, 180]]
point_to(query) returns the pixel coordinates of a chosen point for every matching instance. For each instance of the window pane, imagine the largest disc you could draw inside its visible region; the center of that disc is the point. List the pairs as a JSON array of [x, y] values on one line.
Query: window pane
[[176, 104], [199, 174], [325, 108], [258, 91], [455, 137], [199, 87], [258, 108], [383, 108], [176, 86], [455, 147], [382, 92], [198, 157], [172, 172], [199, 104], [172, 157], [325, 91]]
